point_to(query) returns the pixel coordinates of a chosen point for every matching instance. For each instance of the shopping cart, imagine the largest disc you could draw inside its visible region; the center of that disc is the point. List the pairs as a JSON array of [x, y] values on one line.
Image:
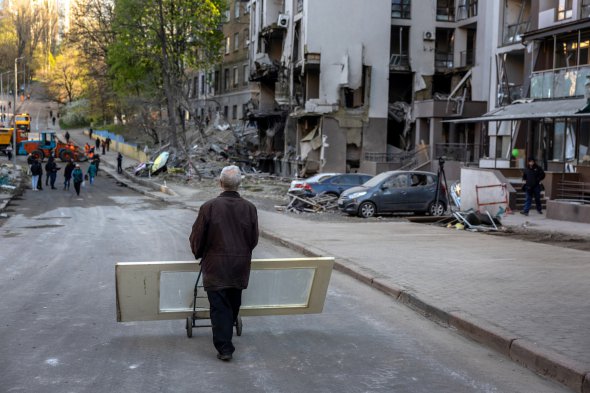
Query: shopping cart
[[200, 305]]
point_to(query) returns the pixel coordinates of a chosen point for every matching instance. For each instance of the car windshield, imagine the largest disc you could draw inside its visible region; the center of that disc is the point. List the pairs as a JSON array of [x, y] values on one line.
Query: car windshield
[[377, 179]]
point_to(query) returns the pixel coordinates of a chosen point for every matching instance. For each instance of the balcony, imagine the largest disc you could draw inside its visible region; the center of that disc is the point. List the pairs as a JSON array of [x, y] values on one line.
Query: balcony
[[467, 58], [561, 83], [445, 14], [513, 33], [399, 62], [443, 60]]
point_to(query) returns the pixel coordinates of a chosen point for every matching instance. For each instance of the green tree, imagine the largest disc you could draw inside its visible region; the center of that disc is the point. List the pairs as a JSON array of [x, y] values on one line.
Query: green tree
[[67, 79], [156, 41]]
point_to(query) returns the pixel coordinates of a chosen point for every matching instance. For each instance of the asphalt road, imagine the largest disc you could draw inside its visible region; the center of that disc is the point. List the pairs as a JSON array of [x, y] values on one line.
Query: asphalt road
[[59, 332]]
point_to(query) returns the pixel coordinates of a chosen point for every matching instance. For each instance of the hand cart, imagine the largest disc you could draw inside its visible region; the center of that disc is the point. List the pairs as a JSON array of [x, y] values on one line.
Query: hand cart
[[191, 321]]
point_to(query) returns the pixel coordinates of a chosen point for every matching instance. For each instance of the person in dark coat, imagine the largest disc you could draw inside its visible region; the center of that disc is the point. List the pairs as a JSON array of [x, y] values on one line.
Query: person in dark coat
[[533, 175], [78, 178], [51, 168], [36, 174], [104, 146], [68, 174], [119, 163], [67, 135], [223, 236], [97, 144], [108, 142], [96, 161]]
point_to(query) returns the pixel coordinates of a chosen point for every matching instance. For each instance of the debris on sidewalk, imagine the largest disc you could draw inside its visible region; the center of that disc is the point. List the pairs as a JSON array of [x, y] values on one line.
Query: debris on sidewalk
[[475, 221], [299, 202]]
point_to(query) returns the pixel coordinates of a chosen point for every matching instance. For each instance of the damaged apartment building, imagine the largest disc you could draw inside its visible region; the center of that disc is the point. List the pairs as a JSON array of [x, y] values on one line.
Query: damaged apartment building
[[347, 87], [322, 68]]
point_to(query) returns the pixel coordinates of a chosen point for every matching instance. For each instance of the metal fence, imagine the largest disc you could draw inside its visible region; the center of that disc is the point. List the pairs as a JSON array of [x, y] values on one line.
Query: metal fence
[[461, 152], [406, 159], [573, 191], [443, 60]]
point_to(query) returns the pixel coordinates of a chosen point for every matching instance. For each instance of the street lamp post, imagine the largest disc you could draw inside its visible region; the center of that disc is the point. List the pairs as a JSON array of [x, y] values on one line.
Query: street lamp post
[[14, 151]]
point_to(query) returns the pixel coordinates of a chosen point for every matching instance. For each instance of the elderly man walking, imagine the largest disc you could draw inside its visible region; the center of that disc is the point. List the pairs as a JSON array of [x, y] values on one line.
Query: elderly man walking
[[223, 236]]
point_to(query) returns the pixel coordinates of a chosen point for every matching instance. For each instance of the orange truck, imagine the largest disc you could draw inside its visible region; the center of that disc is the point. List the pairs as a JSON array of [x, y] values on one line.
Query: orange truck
[[48, 144], [6, 137]]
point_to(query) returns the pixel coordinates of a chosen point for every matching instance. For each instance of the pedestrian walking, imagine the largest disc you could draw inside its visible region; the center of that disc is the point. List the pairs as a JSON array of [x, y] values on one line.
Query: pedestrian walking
[[50, 113], [532, 175], [78, 178], [108, 141], [104, 146], [119, 163], [97, 143], [90, 133], [96, 161], [36, 173], [91, 172], [47, 173], [223, 236], [30, 161], [68, 174], [67, 137], [53, 121], [52, 168], [8, 151]]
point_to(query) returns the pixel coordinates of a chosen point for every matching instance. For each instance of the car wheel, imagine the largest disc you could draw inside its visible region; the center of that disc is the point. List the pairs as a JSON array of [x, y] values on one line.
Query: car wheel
[[437, 209], [367, 209]]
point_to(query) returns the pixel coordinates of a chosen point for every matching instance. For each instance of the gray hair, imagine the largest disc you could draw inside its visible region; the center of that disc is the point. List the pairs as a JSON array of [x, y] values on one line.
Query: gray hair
[[230, 178]]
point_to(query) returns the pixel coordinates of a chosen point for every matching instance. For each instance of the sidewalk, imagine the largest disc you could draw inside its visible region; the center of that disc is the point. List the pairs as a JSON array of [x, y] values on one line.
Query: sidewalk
[[527, 300]]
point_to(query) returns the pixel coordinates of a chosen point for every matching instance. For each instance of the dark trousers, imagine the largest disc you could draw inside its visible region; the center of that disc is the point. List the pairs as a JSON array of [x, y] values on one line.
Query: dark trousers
[[47, 176], [530, 193], [52, 177], [67, 183], [77, 186], [119, 167], [224, 308]]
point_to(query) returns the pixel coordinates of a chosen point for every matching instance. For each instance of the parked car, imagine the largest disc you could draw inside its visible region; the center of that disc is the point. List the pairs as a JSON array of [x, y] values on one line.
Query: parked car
[[297, 185], [395, 191], [335, 185]]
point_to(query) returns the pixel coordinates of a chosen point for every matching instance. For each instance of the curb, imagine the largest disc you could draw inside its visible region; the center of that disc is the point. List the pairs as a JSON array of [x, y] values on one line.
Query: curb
[[528, 354]]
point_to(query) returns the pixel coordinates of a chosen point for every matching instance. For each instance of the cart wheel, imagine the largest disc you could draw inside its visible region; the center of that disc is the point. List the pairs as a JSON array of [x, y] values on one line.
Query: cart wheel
[[189, 327], [239, 326]]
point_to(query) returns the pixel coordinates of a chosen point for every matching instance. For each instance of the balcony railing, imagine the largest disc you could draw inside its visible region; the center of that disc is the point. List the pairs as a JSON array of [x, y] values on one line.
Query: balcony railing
[[445, 14], [399, 61], [466, 10], [461, 152], [400, 9], [513, 33], [508, 94], [443, 60], [467, 58], [561, 83]]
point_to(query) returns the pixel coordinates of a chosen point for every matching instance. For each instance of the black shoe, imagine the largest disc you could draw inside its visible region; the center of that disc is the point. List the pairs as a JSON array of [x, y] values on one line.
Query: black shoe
[[524, 213], [226, 357], [540, 211]]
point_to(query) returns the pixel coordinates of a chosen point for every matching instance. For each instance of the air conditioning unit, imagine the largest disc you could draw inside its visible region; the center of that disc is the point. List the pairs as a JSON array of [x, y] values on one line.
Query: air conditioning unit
[[428, 36], [283, 20]]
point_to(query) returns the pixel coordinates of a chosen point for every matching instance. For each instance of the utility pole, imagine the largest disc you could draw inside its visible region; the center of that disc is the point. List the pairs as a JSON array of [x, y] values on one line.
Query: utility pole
[[14, 151]]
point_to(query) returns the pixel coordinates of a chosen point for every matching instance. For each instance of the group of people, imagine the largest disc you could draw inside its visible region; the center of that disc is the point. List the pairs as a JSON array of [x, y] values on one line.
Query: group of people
[[72, 173]]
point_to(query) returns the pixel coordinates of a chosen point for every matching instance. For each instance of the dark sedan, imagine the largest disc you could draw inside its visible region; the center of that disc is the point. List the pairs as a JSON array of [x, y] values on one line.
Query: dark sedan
[[395, 191], [336, 184]]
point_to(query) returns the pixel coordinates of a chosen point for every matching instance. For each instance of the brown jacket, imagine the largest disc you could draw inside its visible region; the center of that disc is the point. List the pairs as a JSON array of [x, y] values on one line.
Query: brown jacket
[[224, 235]]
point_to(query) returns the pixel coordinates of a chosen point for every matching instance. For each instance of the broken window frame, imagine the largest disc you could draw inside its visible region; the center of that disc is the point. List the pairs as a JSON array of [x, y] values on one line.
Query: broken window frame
[[445, 10], [584, 9]]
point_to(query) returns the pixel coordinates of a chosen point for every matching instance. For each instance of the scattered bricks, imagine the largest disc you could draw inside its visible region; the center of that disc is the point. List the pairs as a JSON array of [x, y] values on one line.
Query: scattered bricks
[[492, 336], [548, 363], [387, 288], [424, 307]]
